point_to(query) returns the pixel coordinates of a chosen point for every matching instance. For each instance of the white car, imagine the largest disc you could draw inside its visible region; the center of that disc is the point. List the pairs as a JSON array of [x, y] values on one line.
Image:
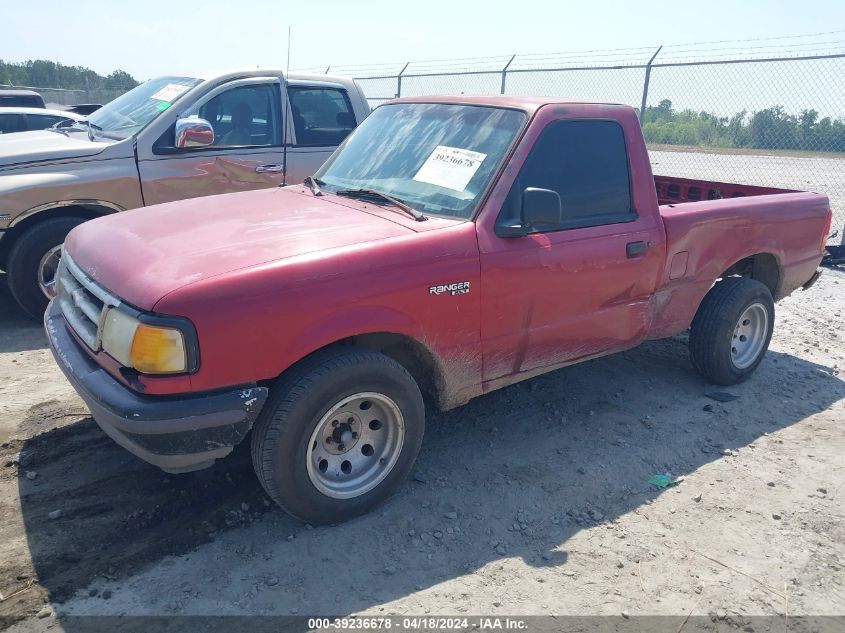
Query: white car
[[26, 119]]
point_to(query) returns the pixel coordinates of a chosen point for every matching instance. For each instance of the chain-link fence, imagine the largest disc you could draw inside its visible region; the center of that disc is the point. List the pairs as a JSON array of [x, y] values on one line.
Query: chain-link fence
[[766, 113]]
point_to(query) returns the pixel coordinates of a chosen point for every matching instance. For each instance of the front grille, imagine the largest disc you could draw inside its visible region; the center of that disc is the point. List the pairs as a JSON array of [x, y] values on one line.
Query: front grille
[[83, 301]]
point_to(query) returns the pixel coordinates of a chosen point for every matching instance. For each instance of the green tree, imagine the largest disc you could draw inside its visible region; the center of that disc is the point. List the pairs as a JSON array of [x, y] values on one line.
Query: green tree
[[120, 79], [42, 73], [770, 128]]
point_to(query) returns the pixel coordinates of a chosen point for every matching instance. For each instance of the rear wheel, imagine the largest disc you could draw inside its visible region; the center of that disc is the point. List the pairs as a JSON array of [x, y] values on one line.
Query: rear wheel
[[731, 330], [338, 435], [33, 262]]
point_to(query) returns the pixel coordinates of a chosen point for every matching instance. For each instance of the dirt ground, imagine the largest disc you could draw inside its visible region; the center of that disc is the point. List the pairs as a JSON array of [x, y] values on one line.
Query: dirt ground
[[531, 500]]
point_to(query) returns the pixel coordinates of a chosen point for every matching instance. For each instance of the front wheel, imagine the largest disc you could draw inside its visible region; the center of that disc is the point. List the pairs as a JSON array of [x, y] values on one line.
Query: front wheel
[[731, 330], [338, 434], [34, 261]]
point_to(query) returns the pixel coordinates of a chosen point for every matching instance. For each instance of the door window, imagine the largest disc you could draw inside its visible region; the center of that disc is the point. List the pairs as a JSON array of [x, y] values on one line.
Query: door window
[[21, 101], [247, 116], [42, 121], [12, 123], [586, 163], [321, 116], [18, 122]]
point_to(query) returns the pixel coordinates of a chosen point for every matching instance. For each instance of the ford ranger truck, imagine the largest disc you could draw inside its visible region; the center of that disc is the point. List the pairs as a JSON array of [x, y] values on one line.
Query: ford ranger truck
[[168, 139], [451, 246]]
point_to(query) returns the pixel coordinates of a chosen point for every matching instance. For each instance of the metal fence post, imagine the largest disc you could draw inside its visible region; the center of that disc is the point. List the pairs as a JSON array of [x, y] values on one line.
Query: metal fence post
[[399, 80], [505, 72], [645, 84]]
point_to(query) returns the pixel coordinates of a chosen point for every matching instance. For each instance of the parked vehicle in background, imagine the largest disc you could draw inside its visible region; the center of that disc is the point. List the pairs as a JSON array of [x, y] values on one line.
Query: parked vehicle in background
[[28, 119], [83, 108], [19, 98], [167, 139], [453, 246]]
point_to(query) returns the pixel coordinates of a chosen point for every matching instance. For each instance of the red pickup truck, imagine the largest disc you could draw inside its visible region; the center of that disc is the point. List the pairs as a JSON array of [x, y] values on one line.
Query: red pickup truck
[[451, 246]]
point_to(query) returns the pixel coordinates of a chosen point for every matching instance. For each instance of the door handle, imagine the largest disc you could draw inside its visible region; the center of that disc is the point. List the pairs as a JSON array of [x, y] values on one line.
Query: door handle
[[636, 249], [272, 168]]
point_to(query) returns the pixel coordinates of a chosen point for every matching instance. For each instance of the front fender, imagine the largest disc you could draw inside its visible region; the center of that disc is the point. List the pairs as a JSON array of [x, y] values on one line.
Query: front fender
[[111, 184], [354, 321], [456, 369]]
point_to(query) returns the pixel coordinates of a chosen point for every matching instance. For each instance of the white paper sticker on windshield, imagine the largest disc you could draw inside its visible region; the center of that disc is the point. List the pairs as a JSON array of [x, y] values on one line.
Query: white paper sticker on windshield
[[450, 167], [169, 92]]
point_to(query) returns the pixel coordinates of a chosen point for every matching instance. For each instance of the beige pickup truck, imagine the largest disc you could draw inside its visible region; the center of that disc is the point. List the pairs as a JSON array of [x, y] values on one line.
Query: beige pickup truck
[[168, 139]]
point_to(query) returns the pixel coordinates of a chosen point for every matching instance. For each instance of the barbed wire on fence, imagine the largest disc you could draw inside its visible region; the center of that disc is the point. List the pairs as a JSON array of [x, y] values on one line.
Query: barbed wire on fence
[[820, 43]]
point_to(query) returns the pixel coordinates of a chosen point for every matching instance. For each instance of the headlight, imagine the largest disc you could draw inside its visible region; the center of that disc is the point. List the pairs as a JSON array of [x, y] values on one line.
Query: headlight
[[147, 343], [118, 334]]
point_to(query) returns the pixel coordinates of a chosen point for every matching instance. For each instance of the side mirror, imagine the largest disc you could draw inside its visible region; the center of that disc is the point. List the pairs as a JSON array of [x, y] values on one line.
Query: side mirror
[[193, 132], [541, 206]]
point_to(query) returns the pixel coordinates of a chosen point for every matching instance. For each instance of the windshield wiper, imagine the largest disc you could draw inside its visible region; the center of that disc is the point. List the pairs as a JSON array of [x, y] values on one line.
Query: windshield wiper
[[372, 193], [314, 185], [91, 128], [66, 129]]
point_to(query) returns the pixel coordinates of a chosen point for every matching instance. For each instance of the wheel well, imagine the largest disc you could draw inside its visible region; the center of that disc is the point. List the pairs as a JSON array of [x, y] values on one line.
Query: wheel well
[[763, 267], [85, 211], [415, 357]]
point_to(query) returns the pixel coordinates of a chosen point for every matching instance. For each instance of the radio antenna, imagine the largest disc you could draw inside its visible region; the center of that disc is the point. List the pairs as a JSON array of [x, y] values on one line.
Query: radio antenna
[[288, 62], [285, 98]]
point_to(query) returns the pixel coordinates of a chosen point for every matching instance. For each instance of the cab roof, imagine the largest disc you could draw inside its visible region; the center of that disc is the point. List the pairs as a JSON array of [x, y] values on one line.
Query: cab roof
[[18, 92], [258, 71], [527, 104]]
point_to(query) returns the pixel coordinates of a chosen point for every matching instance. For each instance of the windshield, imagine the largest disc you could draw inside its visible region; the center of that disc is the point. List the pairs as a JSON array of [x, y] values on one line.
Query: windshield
[[438, 158], [126, 115]]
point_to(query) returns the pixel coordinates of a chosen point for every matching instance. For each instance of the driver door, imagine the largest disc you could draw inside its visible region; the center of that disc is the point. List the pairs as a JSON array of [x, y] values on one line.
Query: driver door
[[247, 152], [582, 287]]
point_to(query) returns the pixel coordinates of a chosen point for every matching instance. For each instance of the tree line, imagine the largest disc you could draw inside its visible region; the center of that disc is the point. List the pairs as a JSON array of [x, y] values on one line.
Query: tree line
[[772, 128], [41, 73]]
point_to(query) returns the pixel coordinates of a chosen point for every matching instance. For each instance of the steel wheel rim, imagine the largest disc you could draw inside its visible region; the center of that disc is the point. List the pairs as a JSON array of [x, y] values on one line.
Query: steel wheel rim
[[47, 269], [749, 336], [355, 445]]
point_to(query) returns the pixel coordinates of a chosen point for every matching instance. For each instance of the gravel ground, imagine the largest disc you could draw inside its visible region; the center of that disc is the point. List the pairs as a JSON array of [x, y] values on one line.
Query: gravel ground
[[531, 500]]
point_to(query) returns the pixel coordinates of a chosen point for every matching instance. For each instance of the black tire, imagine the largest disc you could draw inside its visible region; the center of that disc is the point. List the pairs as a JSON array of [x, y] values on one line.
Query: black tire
[[25, 258], [713, 329], [299, 400]]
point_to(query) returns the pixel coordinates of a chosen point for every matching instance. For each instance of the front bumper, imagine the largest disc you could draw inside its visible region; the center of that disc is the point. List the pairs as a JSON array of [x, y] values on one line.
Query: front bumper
[[176, 433]]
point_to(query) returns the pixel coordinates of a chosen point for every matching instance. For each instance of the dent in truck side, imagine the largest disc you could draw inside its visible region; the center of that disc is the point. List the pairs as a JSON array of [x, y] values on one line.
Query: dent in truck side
[[563, 294], [168, 174], [271, 158], [783, 260]]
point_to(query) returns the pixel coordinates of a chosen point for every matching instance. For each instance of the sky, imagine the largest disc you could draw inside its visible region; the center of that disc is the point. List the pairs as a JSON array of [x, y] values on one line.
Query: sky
[[158, 37]]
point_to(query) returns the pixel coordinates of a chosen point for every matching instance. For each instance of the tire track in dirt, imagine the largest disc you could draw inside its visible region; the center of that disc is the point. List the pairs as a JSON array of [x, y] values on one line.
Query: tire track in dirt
[[116, 513]]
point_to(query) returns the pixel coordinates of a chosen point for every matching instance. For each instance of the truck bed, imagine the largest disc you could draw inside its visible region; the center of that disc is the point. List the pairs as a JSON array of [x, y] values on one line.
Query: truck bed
[[672, 190], [729, 224], [720, 223]]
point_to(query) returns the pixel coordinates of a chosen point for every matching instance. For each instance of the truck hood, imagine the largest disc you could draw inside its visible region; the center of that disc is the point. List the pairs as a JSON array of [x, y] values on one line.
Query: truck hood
[[27, 147], [143, 254]]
